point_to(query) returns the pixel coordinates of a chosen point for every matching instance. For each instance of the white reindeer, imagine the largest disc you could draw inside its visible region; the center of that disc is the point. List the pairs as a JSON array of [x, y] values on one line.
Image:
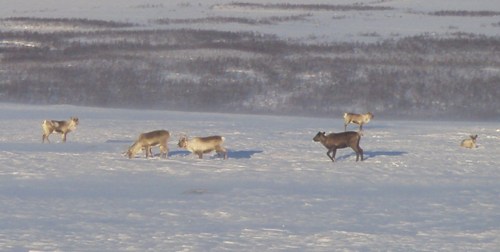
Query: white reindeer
[[61, 127], [357, 119], [200, 145]]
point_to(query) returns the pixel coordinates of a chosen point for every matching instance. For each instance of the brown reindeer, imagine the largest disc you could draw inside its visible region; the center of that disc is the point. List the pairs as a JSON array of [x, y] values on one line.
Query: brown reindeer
[[62, 127], [200, 145], [357, 119], [334, 141], [149, 139]]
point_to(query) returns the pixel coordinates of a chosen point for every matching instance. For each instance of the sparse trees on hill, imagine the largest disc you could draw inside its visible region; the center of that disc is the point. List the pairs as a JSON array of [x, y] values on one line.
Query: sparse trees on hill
[[246, 72]]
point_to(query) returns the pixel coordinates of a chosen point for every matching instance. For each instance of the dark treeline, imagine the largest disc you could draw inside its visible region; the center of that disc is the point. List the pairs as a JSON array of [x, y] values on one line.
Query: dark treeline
[[315, 7], [465, 13], [422, 76], [239, 20], [67, 21]]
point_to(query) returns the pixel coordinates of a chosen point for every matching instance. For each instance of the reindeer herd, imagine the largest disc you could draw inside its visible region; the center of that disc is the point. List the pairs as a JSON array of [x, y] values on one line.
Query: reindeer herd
[[145, 141], [202, 145]]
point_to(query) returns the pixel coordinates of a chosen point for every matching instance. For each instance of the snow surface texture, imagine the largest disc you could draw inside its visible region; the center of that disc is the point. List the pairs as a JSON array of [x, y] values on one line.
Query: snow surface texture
[[402, 19], [417, 190]]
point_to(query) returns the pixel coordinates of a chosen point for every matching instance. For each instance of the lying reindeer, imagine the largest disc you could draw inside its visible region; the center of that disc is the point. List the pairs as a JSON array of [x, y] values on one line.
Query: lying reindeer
[[62, 127], [200, 145], [149, 139], [469, 142], [357, 119], [334, 141]]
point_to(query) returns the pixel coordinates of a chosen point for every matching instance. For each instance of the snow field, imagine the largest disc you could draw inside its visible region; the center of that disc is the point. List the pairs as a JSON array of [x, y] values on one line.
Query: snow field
[[278, 191]]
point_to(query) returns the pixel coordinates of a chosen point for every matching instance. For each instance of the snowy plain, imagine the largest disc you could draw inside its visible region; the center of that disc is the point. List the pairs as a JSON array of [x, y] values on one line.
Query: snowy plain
[[417, 190]]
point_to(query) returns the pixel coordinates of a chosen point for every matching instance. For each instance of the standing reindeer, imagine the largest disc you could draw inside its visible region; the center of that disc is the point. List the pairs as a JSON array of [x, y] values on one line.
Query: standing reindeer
[[334, 141], [357, 119], [200, 145], [61, 127], [469, 142], [149, 139]]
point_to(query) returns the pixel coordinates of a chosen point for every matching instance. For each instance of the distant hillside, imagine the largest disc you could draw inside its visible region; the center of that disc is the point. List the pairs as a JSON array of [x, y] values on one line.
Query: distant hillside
[[118, 65]]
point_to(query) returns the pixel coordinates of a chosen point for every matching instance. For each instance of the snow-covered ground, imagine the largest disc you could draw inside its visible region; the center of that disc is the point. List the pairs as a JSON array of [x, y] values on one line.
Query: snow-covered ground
[[417, 190], [403, 18]]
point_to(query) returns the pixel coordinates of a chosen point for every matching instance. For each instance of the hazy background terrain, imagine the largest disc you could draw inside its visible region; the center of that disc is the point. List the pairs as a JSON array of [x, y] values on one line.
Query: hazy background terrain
[[393, 58]]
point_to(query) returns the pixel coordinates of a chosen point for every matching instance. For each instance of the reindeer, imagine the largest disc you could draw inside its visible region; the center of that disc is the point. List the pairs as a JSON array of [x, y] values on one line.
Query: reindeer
[[334, 141], [357, 119], [469, 142], [61, 127], [200, 145], [149, 139]]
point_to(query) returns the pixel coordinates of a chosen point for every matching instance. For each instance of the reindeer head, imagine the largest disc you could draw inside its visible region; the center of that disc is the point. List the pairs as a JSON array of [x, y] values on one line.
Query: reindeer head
[[74, 120], [370, 115], [129, 154], [132, 150], [319, 136], [473, 137], [183, 142]]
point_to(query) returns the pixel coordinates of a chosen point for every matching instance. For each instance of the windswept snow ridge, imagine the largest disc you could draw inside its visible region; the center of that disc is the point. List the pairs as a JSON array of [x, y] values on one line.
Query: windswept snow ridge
[[417, 190]]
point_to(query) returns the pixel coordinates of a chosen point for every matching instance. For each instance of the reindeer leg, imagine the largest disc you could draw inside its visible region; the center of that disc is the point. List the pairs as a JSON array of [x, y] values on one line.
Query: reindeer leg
[[222, 154], [221, 151], [46, 132], [164, 151], [359, 152], [64, 137], [151, 151], [331, 154]]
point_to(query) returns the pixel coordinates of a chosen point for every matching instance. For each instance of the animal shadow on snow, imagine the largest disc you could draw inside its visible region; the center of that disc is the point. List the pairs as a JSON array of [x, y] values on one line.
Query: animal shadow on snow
[[119, 141], [371, 154], [178, 153], [242, 154], [231, 154]]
